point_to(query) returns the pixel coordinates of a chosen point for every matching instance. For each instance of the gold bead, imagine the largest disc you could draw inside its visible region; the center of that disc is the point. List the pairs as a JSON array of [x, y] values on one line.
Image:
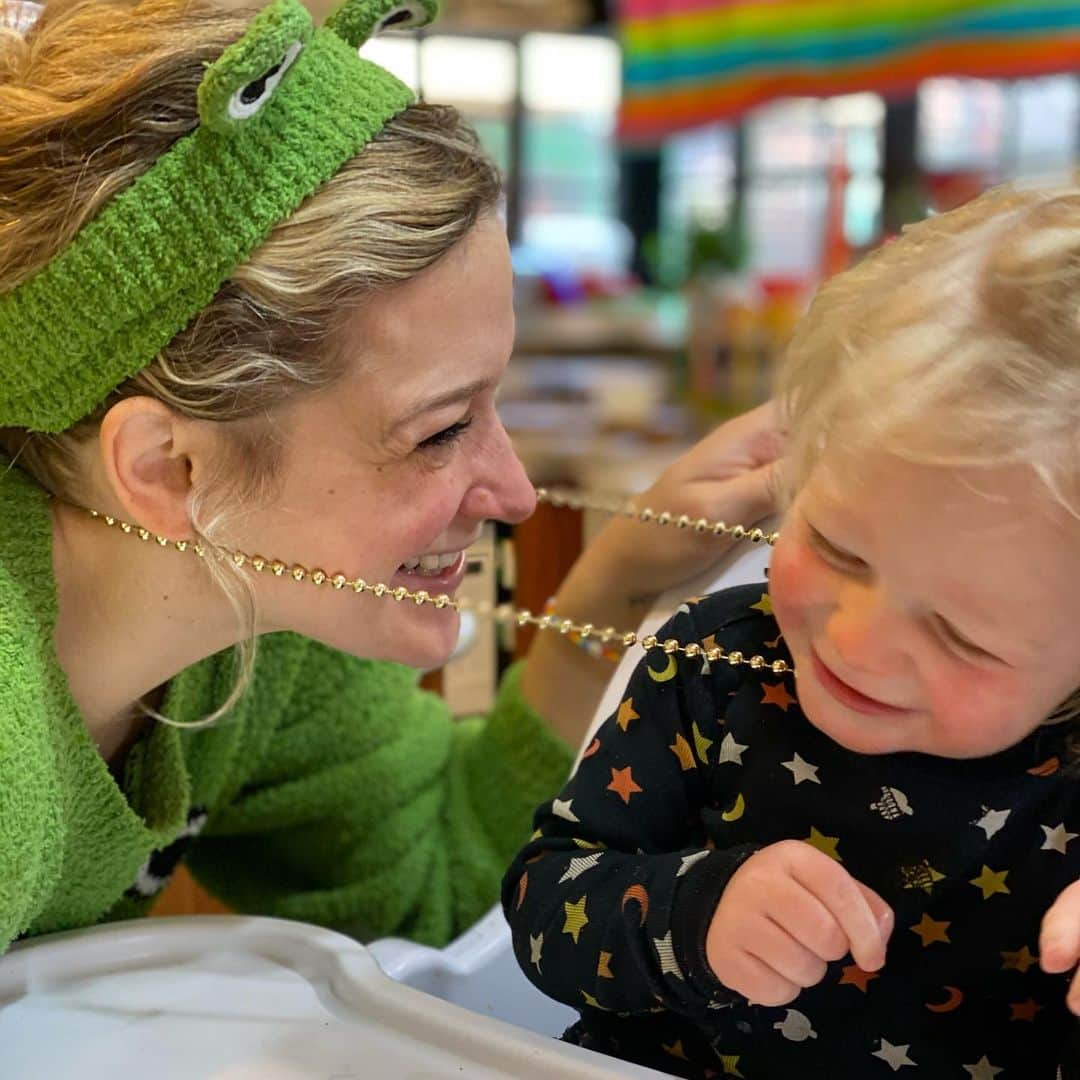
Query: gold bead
[[701, 526], [162, 541], [671, 646], [629, 638], [379, 590], [441, 601], [505, 613], [693, 649], [93, 513], [664, 518], [125, 527], [200, 550], [278, 567], [545, 622], [180, 545], [719, 528], [359, 585], [647, 514], [757, 662], [110, 521], [650, 641], [714, 654], [298, 573], [259, 563], [541, 494], [566, 626], [239, 558], [756, 536], [318, 577], [144, 534], [587, 629], [773, 537], [779, 667], [609, 633], [420, 598], [684, 521], [400, 593], [522, 618], [339, 581], [735, 658], [738, 532]]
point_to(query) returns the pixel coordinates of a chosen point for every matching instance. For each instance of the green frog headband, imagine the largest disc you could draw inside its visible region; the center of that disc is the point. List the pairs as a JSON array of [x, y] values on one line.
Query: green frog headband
[[280, 111]]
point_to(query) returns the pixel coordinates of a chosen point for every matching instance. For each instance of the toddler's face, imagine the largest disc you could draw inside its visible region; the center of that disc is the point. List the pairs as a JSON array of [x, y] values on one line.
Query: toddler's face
[[928, 609]]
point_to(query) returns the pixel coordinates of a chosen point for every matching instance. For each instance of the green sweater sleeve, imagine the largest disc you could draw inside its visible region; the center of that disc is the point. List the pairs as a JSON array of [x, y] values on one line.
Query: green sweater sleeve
[[371, 810]]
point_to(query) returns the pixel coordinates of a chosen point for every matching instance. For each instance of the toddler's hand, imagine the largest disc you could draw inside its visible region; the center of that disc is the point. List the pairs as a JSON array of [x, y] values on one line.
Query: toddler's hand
[[1059, 940], [788, 911]]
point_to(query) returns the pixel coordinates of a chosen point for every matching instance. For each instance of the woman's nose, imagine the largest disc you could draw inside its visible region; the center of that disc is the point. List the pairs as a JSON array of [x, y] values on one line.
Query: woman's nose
[[502, 491]]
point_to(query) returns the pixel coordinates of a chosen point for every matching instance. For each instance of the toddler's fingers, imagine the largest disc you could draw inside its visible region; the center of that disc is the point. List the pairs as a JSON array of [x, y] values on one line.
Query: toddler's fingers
[[851, 906], [1059, 941], [1072, 999], [757, 982], [787, 956]]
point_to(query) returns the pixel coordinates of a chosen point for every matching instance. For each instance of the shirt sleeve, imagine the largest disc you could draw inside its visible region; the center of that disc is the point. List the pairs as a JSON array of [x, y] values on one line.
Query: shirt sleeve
[[373, 811], [610, 901]]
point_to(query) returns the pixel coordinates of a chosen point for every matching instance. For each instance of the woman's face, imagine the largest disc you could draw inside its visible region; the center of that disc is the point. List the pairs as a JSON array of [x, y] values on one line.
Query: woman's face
[[390, 474]]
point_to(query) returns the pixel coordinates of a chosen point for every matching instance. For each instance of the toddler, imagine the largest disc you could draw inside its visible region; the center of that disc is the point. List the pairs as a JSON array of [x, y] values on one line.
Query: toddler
[[847, 873]]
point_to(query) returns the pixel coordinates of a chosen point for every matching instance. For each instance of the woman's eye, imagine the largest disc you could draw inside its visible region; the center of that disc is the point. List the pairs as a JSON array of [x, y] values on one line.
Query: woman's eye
[[447, 436], [837, 557]]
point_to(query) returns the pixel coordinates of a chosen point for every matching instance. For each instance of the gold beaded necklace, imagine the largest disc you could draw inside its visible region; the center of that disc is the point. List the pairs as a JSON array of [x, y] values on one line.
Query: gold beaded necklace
[[507, 614]]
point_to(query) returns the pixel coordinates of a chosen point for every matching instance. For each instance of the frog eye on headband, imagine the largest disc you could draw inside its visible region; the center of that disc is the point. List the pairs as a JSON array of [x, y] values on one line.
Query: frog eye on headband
[[243, 79], [357, 21]]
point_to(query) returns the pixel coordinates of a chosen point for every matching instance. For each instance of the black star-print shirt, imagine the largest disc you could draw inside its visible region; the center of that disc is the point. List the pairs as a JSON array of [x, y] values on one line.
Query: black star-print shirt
[[611, 899]]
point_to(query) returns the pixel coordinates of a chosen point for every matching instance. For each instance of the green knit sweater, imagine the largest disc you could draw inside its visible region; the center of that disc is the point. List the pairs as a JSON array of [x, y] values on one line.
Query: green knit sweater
[[337, 792]]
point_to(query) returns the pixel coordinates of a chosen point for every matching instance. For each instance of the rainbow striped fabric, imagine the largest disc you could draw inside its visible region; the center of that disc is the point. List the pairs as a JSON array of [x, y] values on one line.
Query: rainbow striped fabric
[[689, 62]]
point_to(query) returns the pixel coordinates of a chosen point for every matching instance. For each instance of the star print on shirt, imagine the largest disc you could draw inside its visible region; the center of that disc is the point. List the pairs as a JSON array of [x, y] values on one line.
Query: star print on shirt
[[920, 875], [853, 975], [930, 930], [730, 750], [578, 865], [675, 1050], [576, 919], [561, 808], [622, 783], [666, 951], [603, 966], [626, 714], [776, 694], [764, 605], [982, 1070], [536, 947], [1025, 1010], [701, 744], [825, 844], [1057, 838], [801, 770], [681, 749], [689, 860], [991, 882], [1018, 960], [992, 821], [895, 1056]]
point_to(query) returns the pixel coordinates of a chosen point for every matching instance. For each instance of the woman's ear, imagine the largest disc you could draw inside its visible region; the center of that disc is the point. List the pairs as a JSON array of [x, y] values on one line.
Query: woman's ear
[[149, 455]]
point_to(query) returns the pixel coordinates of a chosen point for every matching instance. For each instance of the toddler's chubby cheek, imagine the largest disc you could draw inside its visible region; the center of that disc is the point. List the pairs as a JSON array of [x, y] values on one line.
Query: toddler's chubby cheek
[[792, 585]]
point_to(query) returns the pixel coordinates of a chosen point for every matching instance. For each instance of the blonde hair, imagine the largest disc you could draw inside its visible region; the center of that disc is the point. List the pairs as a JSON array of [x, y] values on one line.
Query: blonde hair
[[93, 94], [958, 345]]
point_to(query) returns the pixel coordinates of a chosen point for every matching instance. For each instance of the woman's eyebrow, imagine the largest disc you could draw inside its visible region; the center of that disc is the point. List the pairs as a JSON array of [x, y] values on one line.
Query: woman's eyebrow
[[447, 397]]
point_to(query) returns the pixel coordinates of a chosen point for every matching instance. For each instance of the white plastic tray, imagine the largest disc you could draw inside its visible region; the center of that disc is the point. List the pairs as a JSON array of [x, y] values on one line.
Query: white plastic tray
[[238, 998]]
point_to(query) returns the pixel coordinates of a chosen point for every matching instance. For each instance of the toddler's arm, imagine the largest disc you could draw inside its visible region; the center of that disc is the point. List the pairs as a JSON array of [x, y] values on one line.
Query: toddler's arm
[[611, 900]]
